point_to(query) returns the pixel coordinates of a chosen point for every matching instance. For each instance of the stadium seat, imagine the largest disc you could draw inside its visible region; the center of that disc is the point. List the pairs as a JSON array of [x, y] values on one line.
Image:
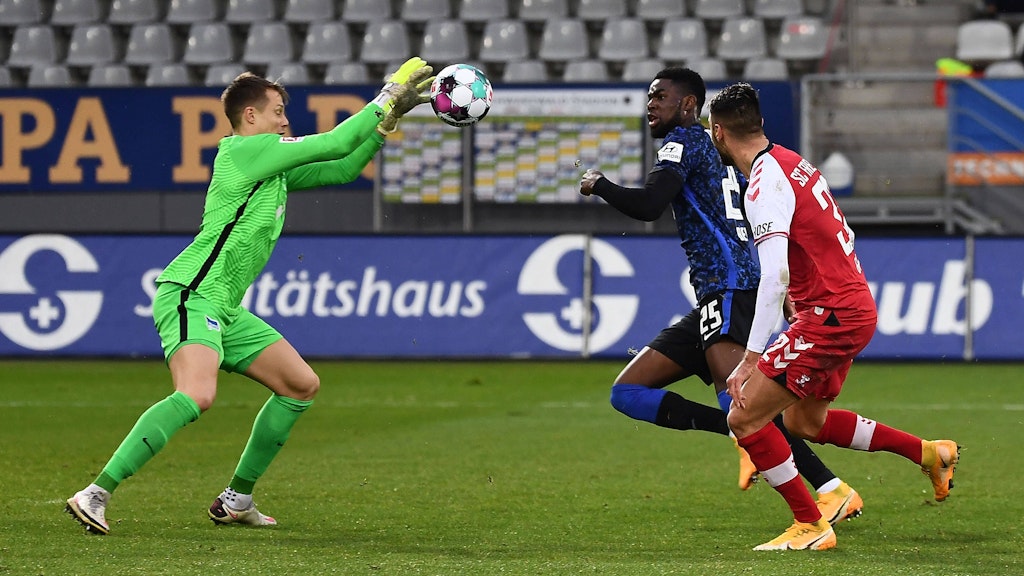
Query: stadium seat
[[543, 10], [708, 68], [424, 10], [346, 73], [289, 73], [984, 40], [802, 38], [222, 74], [364, 11], [309, 11], [125, 12], [21, 12], [1018, 49], [191, 11], [525, 71], [385, 41], [49, 76], [33, 44], [474, 11], [1005, 69], [585, 71], [92, 44], [564, 39], [623, 39], [115, 75], [718, 9], [6, 80], [742, 38], [150, 44], [765, 69], [600, 10], [209, 43], [445, 41], [778, 8], [72, 12], [642, 70], [268, 42], [249, 11], [504, 41], [327, 42], [167, 74], [660, 10], [683, 39]]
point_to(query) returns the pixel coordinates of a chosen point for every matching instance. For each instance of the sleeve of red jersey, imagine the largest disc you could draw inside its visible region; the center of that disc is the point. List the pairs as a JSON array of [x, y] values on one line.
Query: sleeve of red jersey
[[769, 201]]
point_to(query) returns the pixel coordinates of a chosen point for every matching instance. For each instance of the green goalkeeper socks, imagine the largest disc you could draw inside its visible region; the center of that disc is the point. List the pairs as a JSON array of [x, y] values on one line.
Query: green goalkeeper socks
[[269, 432], [150, 433]]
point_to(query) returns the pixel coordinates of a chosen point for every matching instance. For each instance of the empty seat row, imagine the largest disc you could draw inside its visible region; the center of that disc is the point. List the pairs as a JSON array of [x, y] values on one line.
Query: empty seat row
[[388, 40], [70, 12], [985, 41]]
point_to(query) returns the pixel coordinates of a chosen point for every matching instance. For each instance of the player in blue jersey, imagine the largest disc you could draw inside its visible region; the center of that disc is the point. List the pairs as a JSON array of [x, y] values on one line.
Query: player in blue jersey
[[711, 339]]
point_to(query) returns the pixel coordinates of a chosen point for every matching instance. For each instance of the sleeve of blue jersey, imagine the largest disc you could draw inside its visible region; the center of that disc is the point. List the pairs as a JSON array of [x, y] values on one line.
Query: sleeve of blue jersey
[[697, 147]]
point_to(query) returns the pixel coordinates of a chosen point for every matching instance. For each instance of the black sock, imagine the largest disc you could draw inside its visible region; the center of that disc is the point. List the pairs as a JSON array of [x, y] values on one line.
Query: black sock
[[682, 414], [807, 462]]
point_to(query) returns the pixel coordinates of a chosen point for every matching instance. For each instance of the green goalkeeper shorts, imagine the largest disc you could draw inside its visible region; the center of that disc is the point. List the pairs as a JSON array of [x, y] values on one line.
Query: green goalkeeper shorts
[[184, 317]]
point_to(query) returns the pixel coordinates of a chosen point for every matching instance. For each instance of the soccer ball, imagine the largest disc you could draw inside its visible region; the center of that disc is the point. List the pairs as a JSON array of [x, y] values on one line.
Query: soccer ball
[[460, 95]]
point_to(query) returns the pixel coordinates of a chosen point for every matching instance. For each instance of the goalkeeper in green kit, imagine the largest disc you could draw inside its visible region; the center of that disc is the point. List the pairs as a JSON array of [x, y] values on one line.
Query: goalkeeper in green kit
[[203, 327]]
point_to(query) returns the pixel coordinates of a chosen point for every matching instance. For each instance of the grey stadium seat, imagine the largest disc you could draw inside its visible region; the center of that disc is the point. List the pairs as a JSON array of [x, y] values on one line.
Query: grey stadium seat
[[72, 12], [150, 44], [114, 75], [708, 68], [191, 11], [623, 39], [765, 69], [600, 10], [222, 74], [133, 12], [642, 70], [984, 40], [6, 80], [365, 11], [683, 39], [718, 9], [49, 76], [1005, 69], [742, 38], [168, 74], [21, 12], [660, 10], [525, 71], [33, 44], [585, 71], [474, 11], [424, 10], [778, 8], [445, 41], [385, 41], [268, 42], [543, 10], [92, 44], [504, 41], [289, 73], [802, 38], [346, 73], [249, 11], [564, 39], [309, 11], [327, 42], [209, 43]]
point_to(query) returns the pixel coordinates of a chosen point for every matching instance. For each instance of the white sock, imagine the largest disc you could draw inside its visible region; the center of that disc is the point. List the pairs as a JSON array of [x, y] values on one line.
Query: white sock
[[235, 500], [826, 487]]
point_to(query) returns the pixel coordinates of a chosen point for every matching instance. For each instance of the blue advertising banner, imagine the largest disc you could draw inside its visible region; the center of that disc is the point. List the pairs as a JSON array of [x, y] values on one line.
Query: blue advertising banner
[[985, 127], [164, 139], [481, 296]]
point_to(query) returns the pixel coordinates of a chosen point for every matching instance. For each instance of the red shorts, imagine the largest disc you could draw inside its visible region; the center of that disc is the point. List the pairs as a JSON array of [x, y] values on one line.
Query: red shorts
[[815, 358]]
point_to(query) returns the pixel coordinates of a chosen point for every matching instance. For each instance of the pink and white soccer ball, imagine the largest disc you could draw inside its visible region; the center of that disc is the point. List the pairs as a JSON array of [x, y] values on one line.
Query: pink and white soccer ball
[[461, 95]]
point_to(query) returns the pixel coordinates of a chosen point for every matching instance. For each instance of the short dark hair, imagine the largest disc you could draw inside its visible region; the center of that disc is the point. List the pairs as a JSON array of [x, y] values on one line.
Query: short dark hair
[[688, 80], [247, 89], [737, 108]]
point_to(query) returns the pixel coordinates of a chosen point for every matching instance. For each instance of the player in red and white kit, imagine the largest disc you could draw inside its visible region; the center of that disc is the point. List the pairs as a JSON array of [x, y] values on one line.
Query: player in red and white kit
[[810, 270]]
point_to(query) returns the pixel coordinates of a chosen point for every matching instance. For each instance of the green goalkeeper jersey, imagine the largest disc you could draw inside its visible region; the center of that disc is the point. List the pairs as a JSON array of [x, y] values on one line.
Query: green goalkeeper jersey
[[245, 203]]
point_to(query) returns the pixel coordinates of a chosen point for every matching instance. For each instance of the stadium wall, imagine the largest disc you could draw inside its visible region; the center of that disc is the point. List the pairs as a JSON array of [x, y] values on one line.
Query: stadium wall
[[473, 296]]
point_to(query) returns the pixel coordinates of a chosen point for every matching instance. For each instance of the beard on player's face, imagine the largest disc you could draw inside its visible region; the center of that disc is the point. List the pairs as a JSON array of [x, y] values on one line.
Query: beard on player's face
[[661, 125]]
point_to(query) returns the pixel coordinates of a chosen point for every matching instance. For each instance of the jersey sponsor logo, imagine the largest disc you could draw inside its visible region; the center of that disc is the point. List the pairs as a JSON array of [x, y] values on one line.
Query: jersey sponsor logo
[[762, 229], [572, 328], [54, 318], [289, 139], [753, 195], [671, 151], [212, 324]]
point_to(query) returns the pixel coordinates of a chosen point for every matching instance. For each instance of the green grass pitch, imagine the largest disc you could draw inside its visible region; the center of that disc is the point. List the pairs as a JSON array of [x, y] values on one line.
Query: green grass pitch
[[487, 468]]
